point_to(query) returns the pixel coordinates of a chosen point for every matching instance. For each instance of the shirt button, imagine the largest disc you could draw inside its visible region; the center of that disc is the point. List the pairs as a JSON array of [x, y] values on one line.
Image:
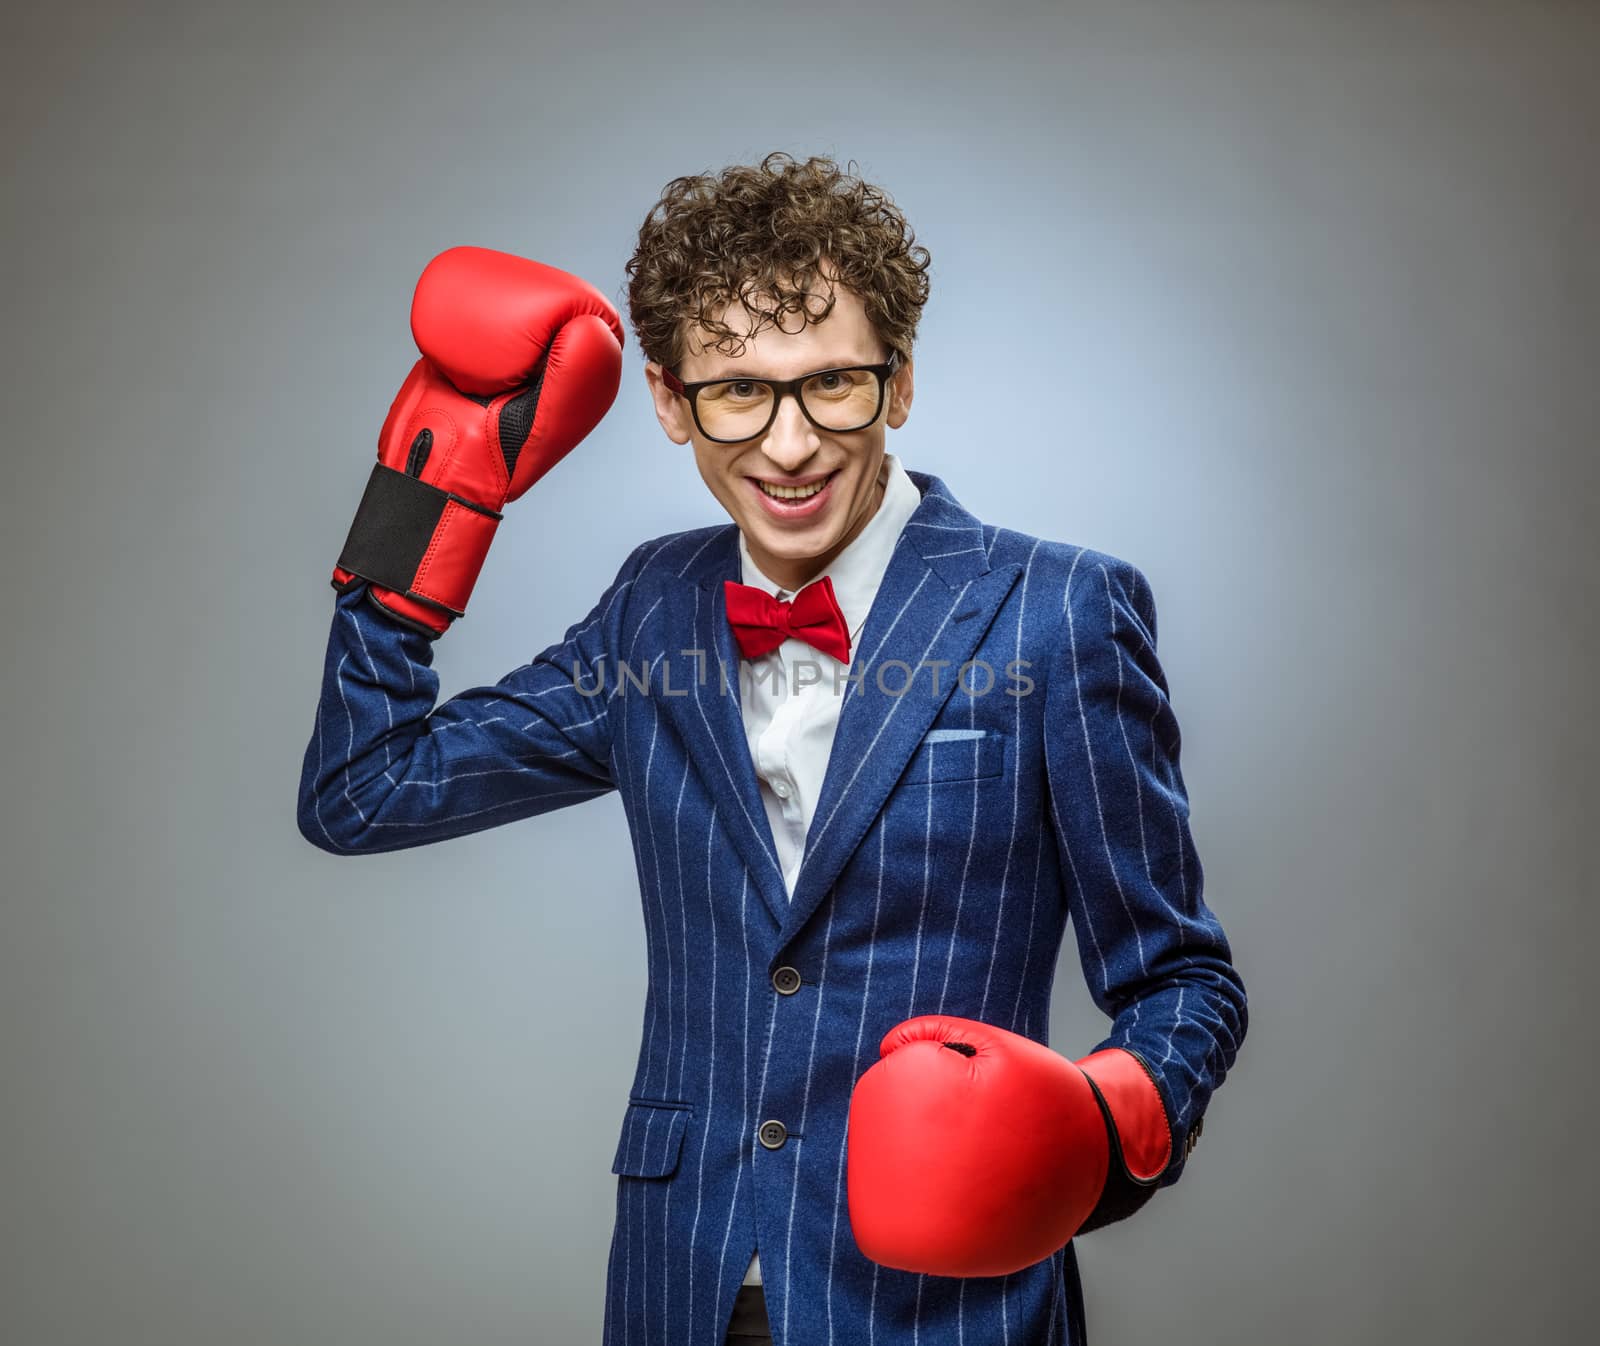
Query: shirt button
[[772, 1134], [780, 789]]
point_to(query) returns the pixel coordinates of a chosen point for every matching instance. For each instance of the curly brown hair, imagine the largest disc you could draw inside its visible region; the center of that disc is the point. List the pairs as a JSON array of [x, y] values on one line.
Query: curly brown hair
[[766, 233]]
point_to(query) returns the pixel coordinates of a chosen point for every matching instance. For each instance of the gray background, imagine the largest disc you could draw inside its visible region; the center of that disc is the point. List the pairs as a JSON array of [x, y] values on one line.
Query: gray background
[[1299, 301]]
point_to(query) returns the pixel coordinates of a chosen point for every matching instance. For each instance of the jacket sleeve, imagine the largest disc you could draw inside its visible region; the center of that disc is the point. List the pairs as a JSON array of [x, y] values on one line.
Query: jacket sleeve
[[386, 769], [1154, 956]]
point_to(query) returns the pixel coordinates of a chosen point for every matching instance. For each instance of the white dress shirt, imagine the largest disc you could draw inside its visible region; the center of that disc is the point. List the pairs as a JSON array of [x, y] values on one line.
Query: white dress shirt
[[790, 696]]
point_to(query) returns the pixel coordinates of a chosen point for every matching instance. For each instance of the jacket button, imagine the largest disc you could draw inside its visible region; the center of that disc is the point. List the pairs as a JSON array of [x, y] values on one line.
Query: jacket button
[[772, 1134], [786, 980]]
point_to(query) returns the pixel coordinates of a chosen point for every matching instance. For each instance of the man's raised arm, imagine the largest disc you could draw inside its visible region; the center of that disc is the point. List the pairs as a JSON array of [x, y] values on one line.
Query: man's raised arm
[[519, 361]]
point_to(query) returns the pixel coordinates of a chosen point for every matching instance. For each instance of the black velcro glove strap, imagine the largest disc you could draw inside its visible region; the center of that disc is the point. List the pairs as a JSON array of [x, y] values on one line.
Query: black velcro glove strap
[[394, 527]]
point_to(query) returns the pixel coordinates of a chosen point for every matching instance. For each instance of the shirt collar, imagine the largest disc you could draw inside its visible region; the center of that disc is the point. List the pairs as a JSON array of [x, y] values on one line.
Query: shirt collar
[[858, 570]]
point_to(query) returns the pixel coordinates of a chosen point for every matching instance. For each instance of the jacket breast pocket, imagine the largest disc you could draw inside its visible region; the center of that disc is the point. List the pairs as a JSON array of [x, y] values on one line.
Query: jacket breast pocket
[[956, 754], [652, 1136]]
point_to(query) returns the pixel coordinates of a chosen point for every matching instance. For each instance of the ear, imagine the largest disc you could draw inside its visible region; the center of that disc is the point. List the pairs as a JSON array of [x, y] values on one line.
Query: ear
[[671, 410], [900, 390]]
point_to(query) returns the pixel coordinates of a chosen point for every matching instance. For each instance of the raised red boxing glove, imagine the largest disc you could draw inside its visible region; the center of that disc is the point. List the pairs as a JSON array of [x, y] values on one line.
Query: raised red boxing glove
[[519, 362], [975, 1151]]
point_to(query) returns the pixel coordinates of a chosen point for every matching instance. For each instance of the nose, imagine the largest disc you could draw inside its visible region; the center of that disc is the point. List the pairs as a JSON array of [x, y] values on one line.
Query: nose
[[791, 438]]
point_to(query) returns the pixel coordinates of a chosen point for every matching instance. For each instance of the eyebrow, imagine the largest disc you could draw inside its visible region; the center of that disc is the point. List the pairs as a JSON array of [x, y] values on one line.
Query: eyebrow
[[845, 362]]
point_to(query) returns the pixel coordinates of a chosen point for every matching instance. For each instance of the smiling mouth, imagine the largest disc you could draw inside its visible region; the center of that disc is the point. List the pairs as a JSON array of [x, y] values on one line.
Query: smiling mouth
[[794, 492]]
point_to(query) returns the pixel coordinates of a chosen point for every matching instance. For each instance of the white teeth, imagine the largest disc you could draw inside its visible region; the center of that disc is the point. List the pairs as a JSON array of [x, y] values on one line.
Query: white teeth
[[792, 492]]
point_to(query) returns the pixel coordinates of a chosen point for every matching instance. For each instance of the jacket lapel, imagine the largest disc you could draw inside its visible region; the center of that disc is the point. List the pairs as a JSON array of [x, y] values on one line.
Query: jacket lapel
[[701, 693], [938, 597]]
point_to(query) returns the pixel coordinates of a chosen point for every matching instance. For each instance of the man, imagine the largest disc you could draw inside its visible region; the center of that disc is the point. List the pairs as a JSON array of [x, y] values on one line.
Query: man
[[873, 753]]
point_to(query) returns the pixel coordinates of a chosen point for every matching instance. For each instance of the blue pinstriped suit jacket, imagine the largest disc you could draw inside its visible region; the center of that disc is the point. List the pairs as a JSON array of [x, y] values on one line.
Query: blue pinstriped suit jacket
[[939, 876]]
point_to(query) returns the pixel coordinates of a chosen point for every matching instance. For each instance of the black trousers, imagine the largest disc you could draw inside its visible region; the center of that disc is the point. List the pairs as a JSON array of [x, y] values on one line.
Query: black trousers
[[749, 1326]]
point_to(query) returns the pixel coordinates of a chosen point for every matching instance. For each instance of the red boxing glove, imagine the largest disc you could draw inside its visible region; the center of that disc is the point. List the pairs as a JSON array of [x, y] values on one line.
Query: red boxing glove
[[519, 362], [974, 1151]]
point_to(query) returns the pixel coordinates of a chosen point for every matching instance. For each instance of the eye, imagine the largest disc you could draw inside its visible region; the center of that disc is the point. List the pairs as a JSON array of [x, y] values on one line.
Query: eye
[[733, 390], [833, 383]]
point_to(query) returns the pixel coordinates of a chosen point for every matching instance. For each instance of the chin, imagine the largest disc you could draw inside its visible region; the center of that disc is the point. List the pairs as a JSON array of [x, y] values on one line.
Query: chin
[[793, 546]]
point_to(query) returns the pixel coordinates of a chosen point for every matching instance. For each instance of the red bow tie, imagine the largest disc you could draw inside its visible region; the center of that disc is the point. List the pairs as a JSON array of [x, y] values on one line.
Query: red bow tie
[[761, 622]]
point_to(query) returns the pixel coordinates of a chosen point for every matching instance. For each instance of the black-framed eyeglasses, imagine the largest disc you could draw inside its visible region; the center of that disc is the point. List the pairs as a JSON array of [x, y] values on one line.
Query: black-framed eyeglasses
[[838, 400]]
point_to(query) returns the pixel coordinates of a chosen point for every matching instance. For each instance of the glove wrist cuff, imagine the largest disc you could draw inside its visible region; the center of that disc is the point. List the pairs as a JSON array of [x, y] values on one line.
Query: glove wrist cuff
[[418, 541], [1135, 1109]]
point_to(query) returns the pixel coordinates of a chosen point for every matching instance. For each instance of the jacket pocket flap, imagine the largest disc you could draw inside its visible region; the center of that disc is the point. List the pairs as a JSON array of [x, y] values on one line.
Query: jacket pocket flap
[[652, 1136]]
